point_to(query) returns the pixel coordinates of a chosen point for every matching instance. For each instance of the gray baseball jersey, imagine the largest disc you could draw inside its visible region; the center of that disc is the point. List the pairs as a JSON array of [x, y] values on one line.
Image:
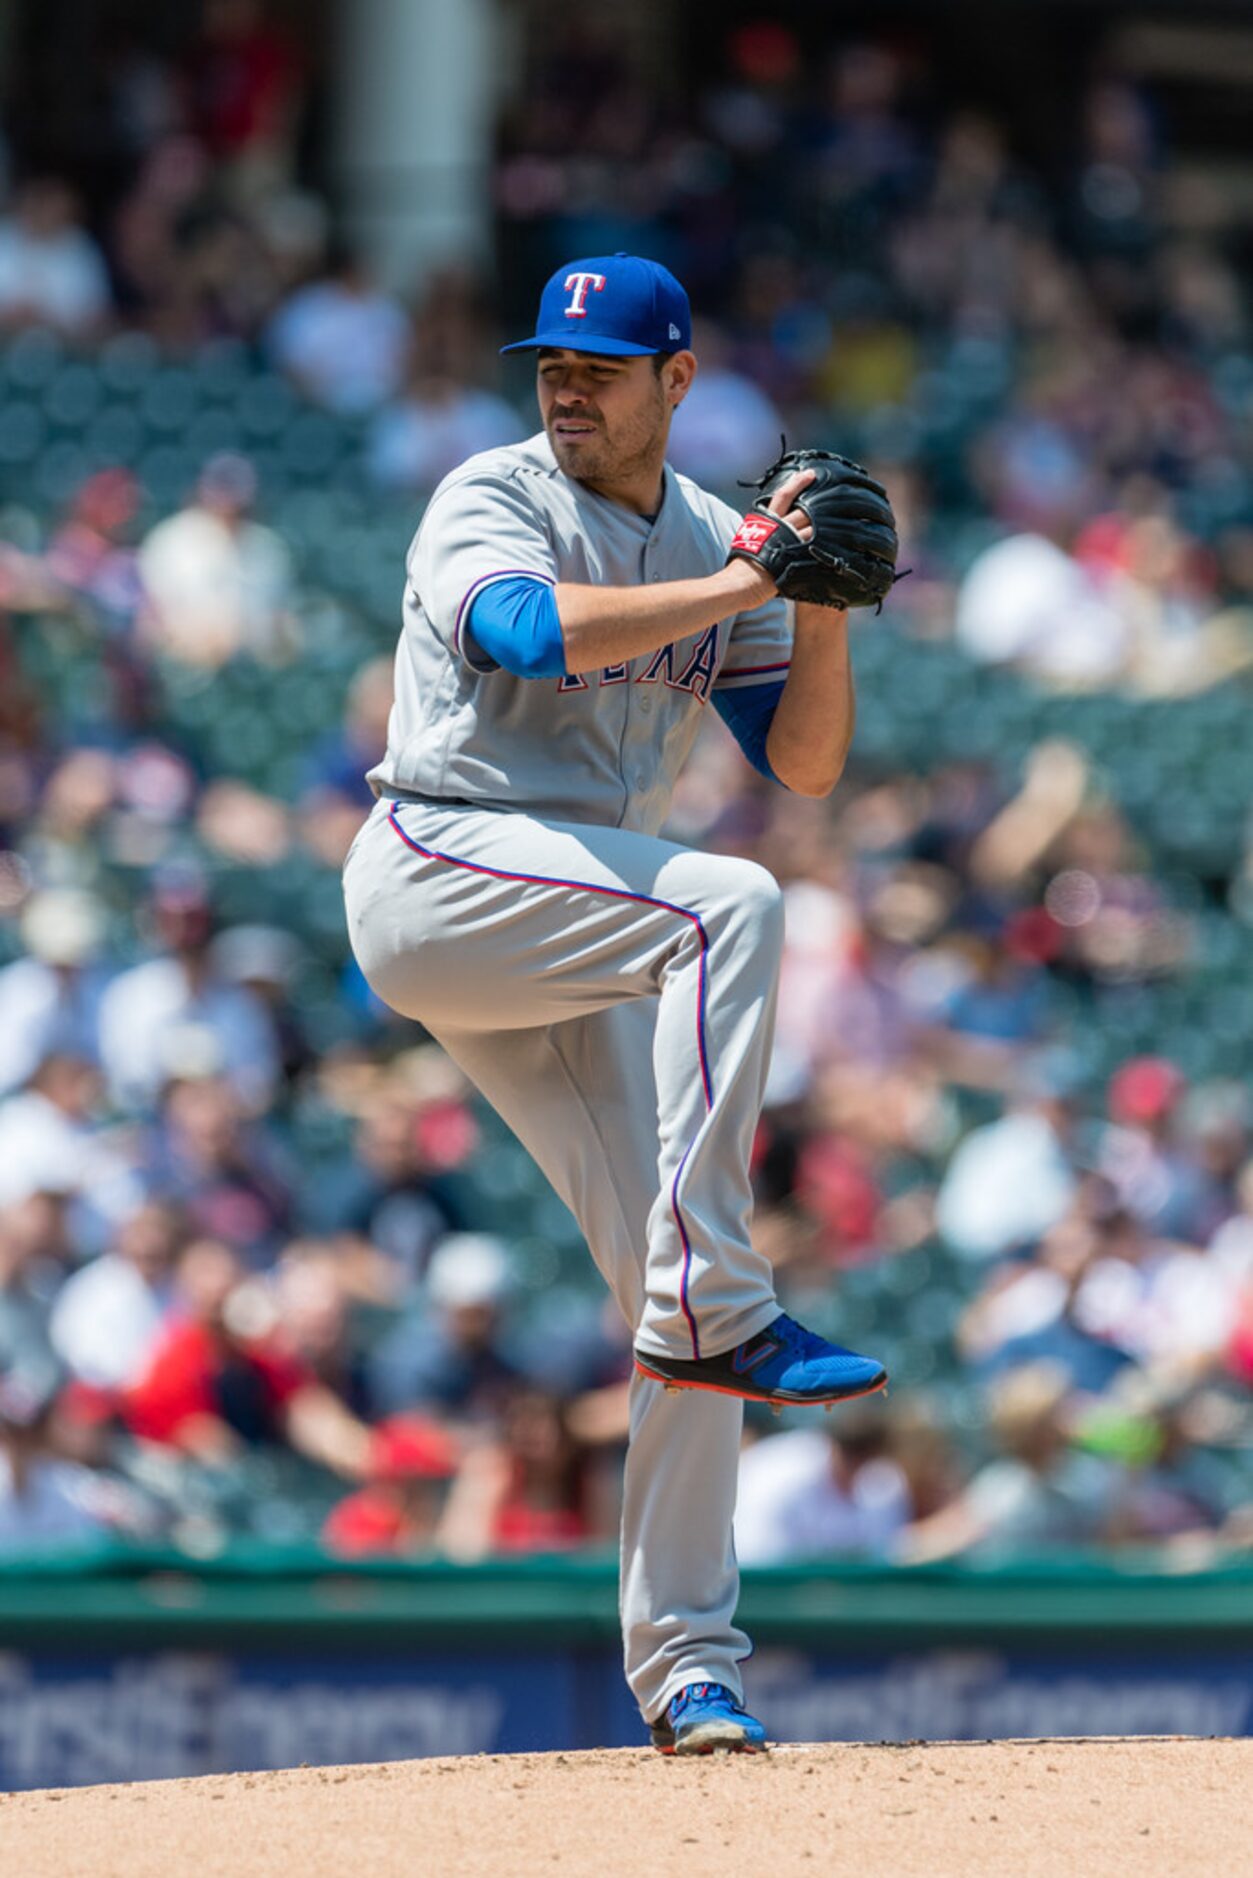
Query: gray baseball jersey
[[610, 992], [603, 748]]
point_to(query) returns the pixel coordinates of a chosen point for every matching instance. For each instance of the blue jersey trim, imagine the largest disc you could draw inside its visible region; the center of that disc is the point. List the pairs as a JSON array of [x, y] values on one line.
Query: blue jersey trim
[[515, 622], [748, 713]]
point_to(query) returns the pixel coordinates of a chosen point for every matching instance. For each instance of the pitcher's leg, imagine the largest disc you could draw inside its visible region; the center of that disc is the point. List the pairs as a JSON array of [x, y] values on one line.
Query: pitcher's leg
[[598, 1150], [701, 1256], [580, 1096], [472, 921], [679, 1583]]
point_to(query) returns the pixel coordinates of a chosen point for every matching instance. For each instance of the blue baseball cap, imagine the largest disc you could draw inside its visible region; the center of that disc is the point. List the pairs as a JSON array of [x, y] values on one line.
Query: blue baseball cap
[[616, 304]]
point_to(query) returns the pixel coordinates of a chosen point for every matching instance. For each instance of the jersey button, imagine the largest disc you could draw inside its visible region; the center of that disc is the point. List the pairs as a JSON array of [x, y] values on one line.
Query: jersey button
[[646, 705]]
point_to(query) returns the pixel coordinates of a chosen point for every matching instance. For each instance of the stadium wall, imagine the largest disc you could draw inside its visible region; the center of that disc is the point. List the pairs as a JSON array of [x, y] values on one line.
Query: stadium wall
[[141, 1666]]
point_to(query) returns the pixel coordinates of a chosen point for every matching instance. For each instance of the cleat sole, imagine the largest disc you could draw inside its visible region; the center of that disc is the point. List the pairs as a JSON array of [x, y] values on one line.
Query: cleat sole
[[747, 1395], [715, 1737]]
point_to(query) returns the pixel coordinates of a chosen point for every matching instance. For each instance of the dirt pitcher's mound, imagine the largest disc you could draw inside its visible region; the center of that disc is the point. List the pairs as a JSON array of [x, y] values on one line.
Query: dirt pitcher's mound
[[1105, 1809]]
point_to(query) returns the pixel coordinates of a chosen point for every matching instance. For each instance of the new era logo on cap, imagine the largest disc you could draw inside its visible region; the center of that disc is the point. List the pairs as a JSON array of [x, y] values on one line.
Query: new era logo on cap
[[617, 304]]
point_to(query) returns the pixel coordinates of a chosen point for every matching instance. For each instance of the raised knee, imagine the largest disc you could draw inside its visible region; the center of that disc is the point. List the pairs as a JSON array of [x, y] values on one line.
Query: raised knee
[[755, 902], [764, 895]]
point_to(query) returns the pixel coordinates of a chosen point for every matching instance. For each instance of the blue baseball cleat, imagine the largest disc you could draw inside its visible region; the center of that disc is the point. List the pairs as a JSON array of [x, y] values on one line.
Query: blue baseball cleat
[[705, 1718], [782, 1363]]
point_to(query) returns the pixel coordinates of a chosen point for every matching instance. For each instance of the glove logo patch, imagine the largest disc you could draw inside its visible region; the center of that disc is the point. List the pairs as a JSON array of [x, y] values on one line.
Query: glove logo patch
[[754, 532]]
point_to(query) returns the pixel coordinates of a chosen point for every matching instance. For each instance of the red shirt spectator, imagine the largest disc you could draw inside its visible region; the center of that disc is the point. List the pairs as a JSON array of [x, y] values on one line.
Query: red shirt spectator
[[397, 1512], [199, 1371], [522, 1527], [246, 79]]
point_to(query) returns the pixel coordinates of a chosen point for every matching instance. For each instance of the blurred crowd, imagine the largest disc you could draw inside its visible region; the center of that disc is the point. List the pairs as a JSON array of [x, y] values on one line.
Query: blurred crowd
[[267, 1268], [1053, 371], [1052, 367]]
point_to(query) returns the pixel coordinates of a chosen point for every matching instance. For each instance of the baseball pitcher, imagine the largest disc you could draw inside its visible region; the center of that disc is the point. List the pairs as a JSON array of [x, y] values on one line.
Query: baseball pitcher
[[572, 607]]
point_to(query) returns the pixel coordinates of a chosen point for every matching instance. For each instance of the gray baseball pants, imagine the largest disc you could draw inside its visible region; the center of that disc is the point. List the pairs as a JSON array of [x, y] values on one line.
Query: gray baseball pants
[[611, 994]]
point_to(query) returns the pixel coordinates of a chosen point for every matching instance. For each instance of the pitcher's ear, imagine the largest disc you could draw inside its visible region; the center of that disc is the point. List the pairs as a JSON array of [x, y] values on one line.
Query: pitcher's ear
[[679, 371]]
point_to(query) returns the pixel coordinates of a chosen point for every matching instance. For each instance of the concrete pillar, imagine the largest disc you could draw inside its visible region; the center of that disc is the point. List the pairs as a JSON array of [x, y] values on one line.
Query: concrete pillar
[[414, 116]]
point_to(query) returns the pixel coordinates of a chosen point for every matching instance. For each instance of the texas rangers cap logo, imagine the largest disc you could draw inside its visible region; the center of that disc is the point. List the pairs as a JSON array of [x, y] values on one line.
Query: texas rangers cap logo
[[618, 305], [578, 285]]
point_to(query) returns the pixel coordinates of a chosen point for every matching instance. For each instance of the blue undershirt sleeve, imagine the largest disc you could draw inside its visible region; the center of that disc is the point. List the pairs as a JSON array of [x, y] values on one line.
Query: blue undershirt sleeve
[[515, 623], [748, 712]]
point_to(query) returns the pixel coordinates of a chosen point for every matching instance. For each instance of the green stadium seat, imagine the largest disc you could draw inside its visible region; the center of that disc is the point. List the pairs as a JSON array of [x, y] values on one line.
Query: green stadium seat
[[213, 429], [932, 1314], [114, 435], [268, 406], [72, 396], [312, 445], [168, 400], [168, 472], [33, 359], [126, 363], [59, 470], [912, 1361], [23, 432], [845, 1320], [505, 1171], [901, 1274], [224, 370]]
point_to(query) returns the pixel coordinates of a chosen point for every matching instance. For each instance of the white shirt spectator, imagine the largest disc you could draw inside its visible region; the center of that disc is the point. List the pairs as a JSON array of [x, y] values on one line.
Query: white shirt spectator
[[1028, 1304], [42, 1010], [1176, 1305], [215, 588], [1140, 1171], [57, 279], [50, 999], [1005, 1186], [415, 443], [347, 347], [44, 1150], [1024, 601], [821, 1012], [1231, 1250], [152, 1015], [791, 1504], [105, 1321], [1014, 1507]]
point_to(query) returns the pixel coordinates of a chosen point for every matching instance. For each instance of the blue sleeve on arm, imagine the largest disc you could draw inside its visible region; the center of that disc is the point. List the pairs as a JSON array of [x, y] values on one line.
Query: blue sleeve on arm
[[515, 622], [748, 713]]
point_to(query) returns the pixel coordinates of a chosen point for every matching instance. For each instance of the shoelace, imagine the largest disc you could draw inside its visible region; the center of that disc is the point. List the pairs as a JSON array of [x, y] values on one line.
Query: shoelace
[[796, 1339], [702, 1692]]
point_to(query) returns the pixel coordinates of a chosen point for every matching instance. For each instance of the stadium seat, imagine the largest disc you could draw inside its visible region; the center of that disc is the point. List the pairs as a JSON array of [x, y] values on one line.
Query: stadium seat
[[71, 396]]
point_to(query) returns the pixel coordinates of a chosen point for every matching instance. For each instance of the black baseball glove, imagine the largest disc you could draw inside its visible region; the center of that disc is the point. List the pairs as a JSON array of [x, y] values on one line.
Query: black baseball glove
[[851, 558]]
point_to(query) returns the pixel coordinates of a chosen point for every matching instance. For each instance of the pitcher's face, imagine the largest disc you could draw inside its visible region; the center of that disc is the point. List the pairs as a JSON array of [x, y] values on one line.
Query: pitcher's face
[[604, 417]]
